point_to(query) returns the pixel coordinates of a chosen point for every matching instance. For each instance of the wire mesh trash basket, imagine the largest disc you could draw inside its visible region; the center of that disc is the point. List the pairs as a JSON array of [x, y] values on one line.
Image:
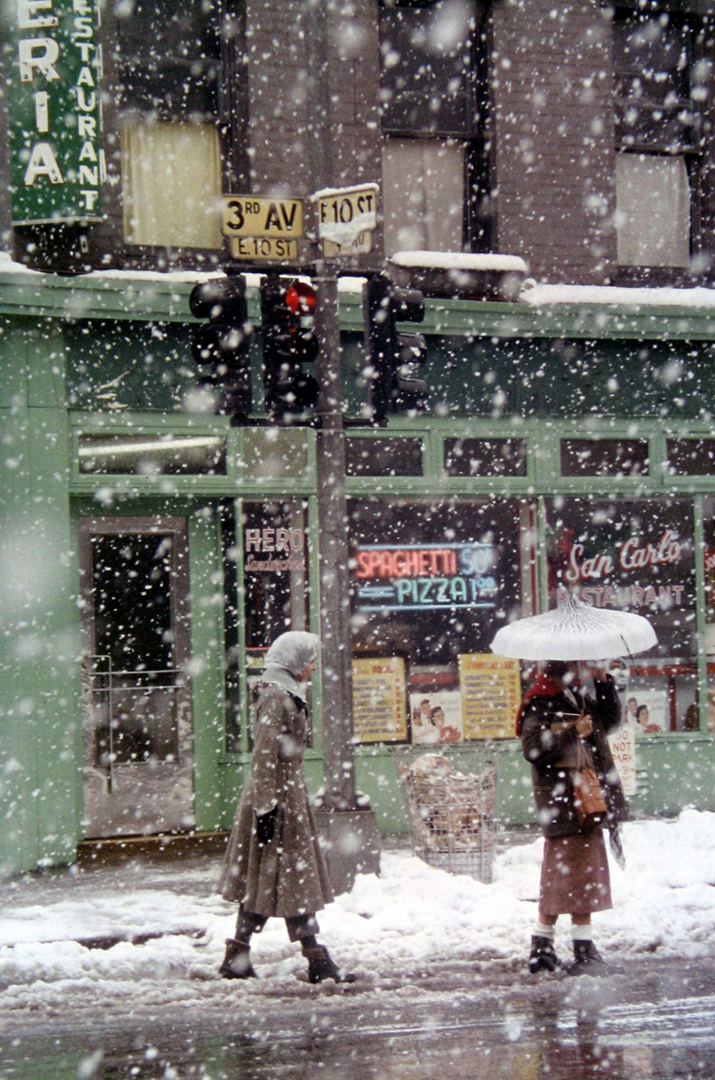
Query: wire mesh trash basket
[[451, 815]]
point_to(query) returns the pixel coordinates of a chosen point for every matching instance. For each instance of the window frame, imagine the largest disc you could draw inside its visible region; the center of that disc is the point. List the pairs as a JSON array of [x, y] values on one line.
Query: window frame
[[475, 138], [230, 119], [693, 25]]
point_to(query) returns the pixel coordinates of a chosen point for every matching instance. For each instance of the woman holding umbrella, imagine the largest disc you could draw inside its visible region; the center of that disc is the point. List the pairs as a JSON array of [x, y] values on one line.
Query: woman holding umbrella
[[564, 730], [561, 730]]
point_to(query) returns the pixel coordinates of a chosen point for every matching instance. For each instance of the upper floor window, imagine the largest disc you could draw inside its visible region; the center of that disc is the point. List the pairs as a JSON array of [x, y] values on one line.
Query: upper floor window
[[168, 60], [432, 119], [659, 81]]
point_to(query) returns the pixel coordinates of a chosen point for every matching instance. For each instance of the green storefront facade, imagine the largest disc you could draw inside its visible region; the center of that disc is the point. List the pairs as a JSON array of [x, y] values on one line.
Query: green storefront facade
[[573, 441]]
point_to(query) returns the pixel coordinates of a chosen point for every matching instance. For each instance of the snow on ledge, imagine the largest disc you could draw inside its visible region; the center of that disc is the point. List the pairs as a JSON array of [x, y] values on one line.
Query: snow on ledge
[[543, 295], [459, 260], [531, 293]]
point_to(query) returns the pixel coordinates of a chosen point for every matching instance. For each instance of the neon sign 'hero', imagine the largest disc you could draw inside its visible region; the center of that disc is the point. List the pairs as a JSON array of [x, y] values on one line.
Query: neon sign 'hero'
[[425, 576]]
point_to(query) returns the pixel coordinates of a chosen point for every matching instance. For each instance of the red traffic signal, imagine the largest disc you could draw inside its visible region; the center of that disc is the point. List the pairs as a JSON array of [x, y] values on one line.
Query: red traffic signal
[[301, 299]]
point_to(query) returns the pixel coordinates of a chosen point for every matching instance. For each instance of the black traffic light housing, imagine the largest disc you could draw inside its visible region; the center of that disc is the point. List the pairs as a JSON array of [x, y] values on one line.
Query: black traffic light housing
[[221, 347], [394, 357], [289, 341]]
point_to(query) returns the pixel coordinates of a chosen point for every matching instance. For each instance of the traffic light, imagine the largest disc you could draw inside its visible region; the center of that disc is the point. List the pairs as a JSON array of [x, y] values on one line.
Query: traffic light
[[289, 341], [221, 347], [394, 358]]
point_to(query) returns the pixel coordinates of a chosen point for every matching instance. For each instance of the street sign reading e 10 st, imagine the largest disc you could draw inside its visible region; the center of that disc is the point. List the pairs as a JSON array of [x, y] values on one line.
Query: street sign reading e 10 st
[[347, 218]]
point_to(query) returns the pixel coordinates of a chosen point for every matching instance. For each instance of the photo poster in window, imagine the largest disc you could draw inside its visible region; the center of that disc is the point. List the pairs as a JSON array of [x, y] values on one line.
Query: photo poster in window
[[491, 692], [436, 717], [380, 699], [645, 711]]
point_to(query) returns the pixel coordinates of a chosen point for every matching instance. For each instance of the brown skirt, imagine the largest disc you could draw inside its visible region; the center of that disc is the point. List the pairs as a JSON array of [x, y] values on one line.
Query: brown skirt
[[574, 875]]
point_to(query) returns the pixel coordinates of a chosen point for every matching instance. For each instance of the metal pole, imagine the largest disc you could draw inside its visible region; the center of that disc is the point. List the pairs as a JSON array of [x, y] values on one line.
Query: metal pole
[[334, 580], [349, 831]]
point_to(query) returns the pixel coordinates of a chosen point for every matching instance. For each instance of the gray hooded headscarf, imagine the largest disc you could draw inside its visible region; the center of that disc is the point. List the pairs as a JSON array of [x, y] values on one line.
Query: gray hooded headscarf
[[287, 658]]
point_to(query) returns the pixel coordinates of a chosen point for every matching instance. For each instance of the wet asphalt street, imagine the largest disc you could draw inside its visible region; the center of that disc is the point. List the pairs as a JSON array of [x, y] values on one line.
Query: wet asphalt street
[[470, 1022]]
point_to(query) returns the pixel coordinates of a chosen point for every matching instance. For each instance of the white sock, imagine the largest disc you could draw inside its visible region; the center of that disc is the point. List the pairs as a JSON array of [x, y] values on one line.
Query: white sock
[[544, 930], [581, 933]]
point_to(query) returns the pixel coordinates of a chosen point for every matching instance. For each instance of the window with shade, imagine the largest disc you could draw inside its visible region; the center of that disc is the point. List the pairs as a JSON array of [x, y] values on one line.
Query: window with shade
[[168, 65], [432, 59], [659, 82]]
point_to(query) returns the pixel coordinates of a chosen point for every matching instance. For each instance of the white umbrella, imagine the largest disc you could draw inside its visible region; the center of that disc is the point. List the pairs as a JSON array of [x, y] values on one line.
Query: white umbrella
[[575, 631]]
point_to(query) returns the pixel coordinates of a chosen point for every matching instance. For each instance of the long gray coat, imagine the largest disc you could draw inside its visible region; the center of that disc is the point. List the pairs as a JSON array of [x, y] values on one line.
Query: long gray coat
[[288, 876]]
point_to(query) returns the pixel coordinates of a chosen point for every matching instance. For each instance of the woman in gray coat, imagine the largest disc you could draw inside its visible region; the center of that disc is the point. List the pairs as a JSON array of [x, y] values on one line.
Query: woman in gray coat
[[273, 864]]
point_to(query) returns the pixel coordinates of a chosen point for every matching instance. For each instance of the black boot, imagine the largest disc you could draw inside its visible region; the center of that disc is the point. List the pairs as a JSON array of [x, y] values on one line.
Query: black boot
[[321, 967], [588, 961], [543, 955], [237, 962]]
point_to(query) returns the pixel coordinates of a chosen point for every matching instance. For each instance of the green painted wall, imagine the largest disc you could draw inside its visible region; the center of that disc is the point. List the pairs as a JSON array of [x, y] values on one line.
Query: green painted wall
[[39, 675]]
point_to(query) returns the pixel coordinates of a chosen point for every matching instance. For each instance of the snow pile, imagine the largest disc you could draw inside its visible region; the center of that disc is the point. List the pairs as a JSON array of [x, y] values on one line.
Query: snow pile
[[395, 924]]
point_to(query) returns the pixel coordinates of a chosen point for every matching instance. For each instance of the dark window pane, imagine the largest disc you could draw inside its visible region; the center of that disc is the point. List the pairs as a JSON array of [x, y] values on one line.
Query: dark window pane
[[485, 457], [691, 457], [131, 581], [169, 56], [427, 67], [383, 457], [652, 57], [604, 457]]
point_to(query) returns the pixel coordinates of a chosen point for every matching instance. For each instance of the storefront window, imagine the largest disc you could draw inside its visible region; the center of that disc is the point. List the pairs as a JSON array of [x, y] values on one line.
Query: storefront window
[[274, 549], [635, 555], [432, 581]]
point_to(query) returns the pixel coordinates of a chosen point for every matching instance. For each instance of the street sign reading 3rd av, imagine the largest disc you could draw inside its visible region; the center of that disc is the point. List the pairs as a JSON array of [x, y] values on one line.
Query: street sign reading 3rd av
[[261, 228]]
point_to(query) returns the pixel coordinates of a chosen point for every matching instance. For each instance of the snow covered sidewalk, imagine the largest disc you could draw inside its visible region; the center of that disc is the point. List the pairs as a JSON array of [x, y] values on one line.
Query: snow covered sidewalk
[[57, 932]]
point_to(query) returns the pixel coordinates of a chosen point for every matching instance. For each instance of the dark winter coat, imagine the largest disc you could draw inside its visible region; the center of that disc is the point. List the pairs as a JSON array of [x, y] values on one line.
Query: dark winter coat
[[287, 876], [551, 744]]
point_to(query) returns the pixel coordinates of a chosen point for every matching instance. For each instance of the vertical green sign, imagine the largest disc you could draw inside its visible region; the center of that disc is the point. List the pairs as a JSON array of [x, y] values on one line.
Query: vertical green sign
[[53, 67]]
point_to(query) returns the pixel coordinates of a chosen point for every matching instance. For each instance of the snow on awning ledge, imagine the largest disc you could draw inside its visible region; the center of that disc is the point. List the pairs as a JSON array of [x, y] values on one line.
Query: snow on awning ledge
[[459, 260], [615, 296]]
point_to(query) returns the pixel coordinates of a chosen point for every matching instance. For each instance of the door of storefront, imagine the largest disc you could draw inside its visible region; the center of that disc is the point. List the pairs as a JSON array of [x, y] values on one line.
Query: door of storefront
[[137, 725]]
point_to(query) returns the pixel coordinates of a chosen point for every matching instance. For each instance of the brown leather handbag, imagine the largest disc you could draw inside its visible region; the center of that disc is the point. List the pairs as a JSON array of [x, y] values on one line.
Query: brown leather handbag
[[589, 800]]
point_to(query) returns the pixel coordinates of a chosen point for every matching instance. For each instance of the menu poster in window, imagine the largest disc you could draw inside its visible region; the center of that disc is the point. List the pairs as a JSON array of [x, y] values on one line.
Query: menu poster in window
[[380, 699], [436, 717], [491, 693], [623, 747]]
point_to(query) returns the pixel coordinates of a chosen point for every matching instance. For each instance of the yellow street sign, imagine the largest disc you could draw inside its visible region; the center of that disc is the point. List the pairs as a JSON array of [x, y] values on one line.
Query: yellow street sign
[[262, 247], [249, 215]]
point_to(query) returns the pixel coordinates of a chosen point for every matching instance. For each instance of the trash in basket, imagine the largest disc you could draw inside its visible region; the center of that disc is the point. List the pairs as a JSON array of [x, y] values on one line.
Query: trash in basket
[[451, 815]]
